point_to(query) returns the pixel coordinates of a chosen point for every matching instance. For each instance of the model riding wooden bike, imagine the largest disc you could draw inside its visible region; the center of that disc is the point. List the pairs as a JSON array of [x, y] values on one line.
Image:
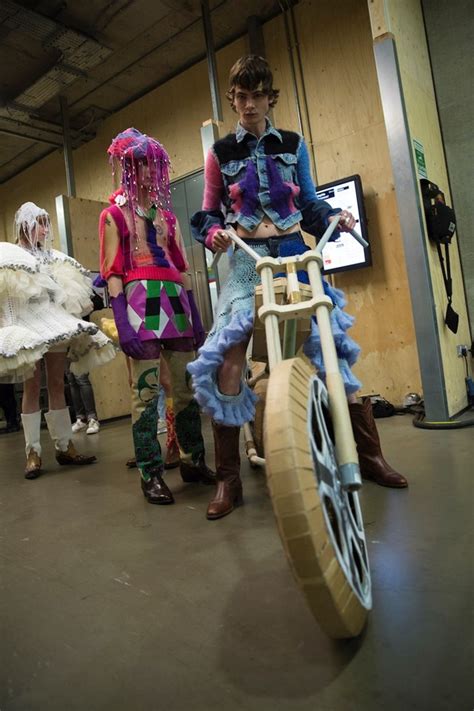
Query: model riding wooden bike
[[310, 455]]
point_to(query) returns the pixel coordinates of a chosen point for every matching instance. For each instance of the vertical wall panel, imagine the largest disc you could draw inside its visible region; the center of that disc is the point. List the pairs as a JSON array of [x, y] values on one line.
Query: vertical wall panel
[[349, 137]]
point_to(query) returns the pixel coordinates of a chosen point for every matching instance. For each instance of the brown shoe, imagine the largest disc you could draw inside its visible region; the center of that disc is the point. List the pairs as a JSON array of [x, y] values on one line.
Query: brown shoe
[[172, 456], [194, 472], [131, 463], [372, 463], [33, 465], [71, 456], [229, 487], [155, 491], [228, 497]]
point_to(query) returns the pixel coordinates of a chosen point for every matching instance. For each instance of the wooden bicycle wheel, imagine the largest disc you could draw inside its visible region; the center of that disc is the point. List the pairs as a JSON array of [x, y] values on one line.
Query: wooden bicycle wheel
[[320, 524]]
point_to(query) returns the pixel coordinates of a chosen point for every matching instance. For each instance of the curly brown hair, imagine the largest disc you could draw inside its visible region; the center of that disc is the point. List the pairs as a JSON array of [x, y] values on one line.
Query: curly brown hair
[[252, 72]]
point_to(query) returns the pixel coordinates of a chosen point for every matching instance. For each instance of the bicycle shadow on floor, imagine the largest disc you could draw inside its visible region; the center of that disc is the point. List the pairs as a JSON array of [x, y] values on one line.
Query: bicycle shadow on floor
[[270, 645]]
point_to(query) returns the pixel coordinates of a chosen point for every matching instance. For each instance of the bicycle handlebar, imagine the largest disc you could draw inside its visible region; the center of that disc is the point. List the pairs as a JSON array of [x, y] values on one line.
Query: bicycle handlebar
[[321, 244], [332, 226]]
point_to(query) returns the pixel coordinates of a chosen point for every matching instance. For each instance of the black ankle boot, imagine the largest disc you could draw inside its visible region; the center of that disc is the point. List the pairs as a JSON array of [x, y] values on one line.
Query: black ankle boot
[[193, 472], [155, 490]]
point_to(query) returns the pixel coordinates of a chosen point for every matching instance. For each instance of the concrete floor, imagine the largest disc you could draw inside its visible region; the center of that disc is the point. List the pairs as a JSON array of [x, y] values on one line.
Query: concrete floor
[[109, 603]]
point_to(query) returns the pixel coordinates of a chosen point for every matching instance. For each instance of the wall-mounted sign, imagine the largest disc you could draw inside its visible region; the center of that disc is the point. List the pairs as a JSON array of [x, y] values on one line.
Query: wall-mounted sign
[[420, 159]]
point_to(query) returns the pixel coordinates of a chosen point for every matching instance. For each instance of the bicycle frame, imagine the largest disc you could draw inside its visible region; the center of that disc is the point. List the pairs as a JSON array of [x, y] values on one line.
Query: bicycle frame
[[318, 305]]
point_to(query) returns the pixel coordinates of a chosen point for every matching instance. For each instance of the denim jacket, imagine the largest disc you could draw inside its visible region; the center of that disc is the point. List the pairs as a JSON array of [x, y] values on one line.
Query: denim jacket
[[248, 178]]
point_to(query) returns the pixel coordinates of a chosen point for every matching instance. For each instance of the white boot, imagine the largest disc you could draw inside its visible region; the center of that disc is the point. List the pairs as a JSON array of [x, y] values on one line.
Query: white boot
[[59, 426], [31, 431], [60, 429]]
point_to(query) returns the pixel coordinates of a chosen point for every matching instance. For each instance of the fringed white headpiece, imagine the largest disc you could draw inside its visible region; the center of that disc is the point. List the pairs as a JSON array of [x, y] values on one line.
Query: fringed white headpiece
[[26, 220]]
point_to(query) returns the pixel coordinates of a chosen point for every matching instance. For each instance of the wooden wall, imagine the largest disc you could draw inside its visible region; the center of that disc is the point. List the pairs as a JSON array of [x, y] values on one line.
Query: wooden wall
[[403, 19], [349, 136], [110, 381]]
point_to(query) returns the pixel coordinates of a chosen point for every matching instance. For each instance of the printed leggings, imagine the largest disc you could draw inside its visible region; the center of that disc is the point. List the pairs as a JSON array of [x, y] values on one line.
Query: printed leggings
[[145, 387]]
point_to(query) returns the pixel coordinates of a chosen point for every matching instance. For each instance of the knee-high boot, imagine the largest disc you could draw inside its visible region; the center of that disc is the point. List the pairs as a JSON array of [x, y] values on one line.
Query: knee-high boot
[[372, 463], [229, 486], [59, 426], [31, 430]]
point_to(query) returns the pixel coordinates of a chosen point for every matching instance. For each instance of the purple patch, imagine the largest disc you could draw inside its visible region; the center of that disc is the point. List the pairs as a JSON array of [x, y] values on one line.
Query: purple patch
[[280, 191], [159, 259], [249, 188]]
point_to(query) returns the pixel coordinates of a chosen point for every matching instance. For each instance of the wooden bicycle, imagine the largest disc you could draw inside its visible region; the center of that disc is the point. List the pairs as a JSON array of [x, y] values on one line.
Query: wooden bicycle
[[310, 456]]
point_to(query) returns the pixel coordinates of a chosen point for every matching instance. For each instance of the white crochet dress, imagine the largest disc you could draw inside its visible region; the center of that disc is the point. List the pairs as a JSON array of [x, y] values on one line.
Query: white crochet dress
[[42, 299]]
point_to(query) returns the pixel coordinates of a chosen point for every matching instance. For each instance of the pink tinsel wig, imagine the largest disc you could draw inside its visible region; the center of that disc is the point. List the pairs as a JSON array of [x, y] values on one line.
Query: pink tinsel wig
[[130, 148]]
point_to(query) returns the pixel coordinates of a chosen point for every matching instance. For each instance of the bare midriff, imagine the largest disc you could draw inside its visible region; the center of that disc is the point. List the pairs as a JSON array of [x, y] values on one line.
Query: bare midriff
[[264, 230]]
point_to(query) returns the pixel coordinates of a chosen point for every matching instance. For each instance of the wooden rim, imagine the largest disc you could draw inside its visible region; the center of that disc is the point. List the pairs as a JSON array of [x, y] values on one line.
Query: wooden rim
[[335, 582]]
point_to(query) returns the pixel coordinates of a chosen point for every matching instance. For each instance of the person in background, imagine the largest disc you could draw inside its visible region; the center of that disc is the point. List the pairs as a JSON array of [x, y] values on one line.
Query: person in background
[[44, 293], [82, 393], [9, 407], [83, 401]]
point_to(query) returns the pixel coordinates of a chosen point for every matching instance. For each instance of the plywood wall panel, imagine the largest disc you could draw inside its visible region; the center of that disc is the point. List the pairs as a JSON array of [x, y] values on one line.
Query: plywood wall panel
[[406, 23], [110, 381], [347, 125], [349, 137], [84, 221]]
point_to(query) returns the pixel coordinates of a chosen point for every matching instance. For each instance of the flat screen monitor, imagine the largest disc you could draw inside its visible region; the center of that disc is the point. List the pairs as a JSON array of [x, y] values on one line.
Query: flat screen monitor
[[346, 253]]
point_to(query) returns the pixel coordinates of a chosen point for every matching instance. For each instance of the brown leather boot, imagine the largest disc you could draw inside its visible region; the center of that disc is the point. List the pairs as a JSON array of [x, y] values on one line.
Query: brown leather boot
[[229, 487], [33, 465], [156, 491], [194, 472], [72, 456], [372, 463]]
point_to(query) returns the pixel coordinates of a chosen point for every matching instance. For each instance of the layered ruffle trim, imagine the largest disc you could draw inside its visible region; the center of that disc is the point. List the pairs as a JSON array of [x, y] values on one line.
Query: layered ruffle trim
[[22, 283], [68, 286], [238, 409], [230, 410], [55, 256], [87, 348], [75, 286], [346, 348], [99, 353]]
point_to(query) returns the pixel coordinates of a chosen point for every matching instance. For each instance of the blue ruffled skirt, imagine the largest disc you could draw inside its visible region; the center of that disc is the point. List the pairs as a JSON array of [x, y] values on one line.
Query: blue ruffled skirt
[[233, 324]]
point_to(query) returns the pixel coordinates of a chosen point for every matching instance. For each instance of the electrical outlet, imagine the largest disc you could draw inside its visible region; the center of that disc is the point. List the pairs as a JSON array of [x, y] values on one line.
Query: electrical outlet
[[462, 351]]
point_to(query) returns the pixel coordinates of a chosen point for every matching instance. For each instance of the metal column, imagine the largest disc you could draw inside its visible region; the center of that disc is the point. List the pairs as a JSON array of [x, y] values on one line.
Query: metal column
[[412, 226], [70, 181]]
